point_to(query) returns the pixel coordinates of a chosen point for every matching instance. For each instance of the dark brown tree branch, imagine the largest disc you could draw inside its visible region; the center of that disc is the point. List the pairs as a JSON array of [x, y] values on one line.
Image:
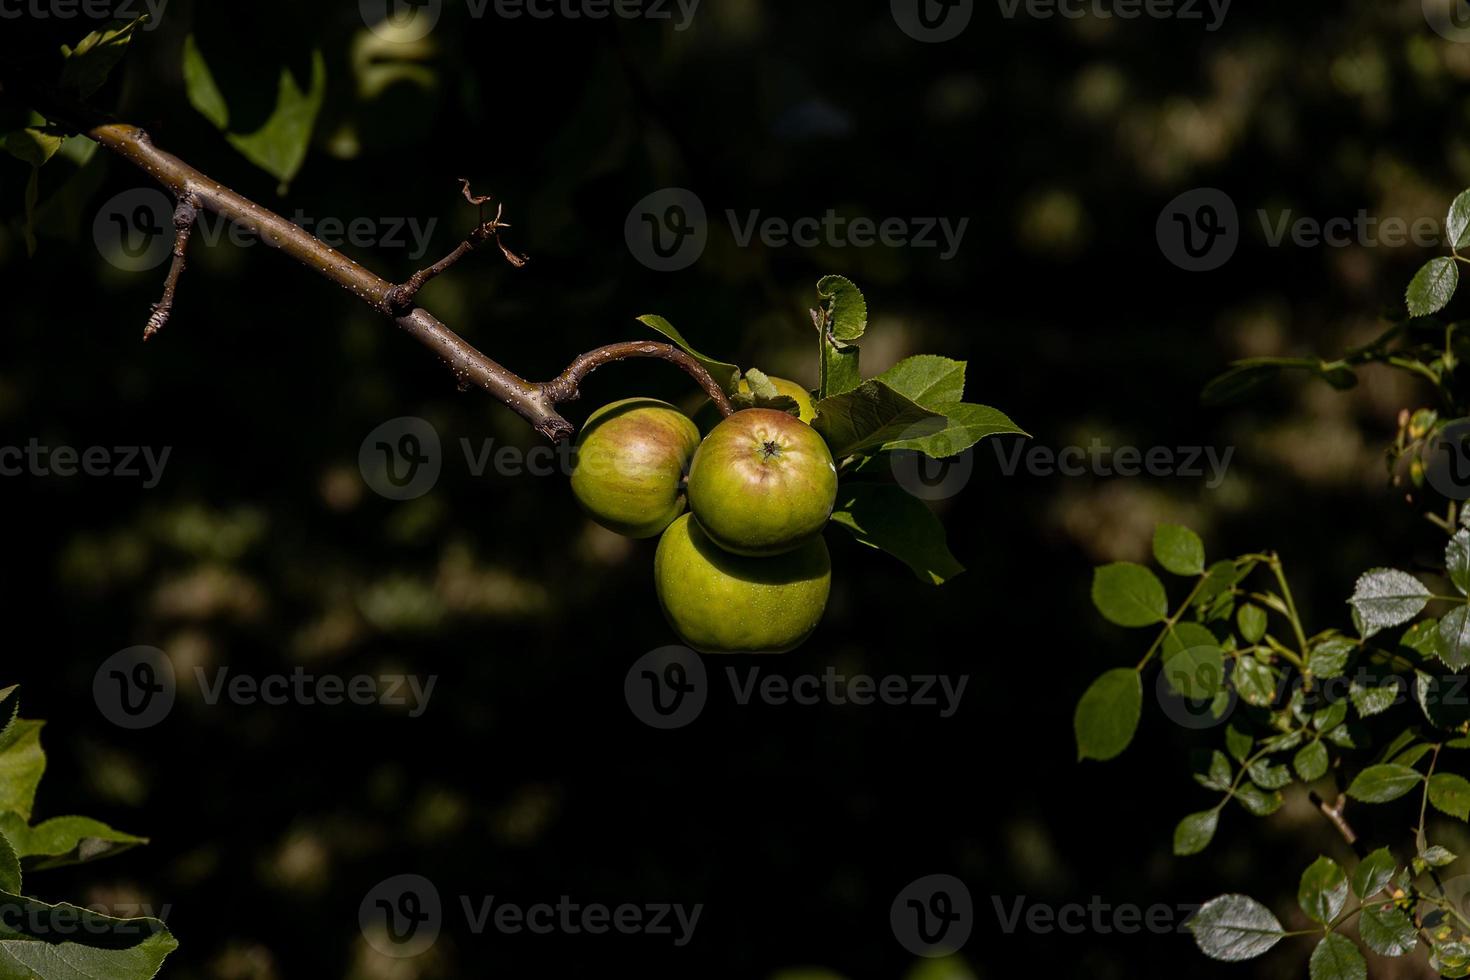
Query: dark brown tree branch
[[1336, 814], [536, 403], [185, 214], [566, 387], [400, 297]]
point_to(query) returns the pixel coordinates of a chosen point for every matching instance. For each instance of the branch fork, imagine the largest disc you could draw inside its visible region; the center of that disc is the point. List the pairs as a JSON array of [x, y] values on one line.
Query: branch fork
[[195, 192]]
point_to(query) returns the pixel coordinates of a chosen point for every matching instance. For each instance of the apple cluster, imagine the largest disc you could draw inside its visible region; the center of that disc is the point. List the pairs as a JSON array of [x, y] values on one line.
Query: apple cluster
[[746, 569]]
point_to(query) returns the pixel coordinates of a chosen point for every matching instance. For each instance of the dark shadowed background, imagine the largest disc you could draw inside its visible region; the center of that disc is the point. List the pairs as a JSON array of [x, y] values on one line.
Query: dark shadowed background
[[1059, 140]]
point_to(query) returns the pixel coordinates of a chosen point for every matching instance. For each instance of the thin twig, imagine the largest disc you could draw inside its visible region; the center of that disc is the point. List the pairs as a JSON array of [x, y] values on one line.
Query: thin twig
[[186, 212], [400, 297], [1335, 812], [566, 387]]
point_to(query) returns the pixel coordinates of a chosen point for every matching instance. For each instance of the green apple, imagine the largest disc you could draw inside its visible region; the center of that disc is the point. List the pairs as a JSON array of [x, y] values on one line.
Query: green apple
[[723, 603], [630, 459], [762, 482], [802, 397]]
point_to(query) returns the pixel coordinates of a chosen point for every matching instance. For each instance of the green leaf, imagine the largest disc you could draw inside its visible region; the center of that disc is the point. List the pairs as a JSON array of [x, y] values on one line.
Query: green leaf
[[1238, 743], [1386, 597], [1457, 560], [1194, 832], [846, 307], [1179, 550], [1442, 700], [1457, 222], [1255, 681], [1330, 716], [1421, 638], [761, 386], [1372, 701], [1256, 800], [1438, 857], [964, 425], [1450, 959], [9, 714], [1329, 658], [1194, 664], [278, 146], [869, 416], [1267, 776], [1221, 577], [1385, 782], [32, 146], [1129, 595], [1251, 620], [725, 374], [1453, 638], [1219, 774], [1337, 958], [1373, 873], [1107, 715], [63, 942], [88, 64], [1412, 754], [1387, 930], [1310, 761], [10, 876], [927, 379], [61, 841], [886, 517], [1450, 794], [22, 764], [842, 319], [1323, 890], [838, 368], [1234, 928], [1432, 287]]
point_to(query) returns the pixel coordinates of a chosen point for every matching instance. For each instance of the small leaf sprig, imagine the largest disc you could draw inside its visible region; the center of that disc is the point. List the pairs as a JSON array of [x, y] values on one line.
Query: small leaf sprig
[[1296, 707]]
